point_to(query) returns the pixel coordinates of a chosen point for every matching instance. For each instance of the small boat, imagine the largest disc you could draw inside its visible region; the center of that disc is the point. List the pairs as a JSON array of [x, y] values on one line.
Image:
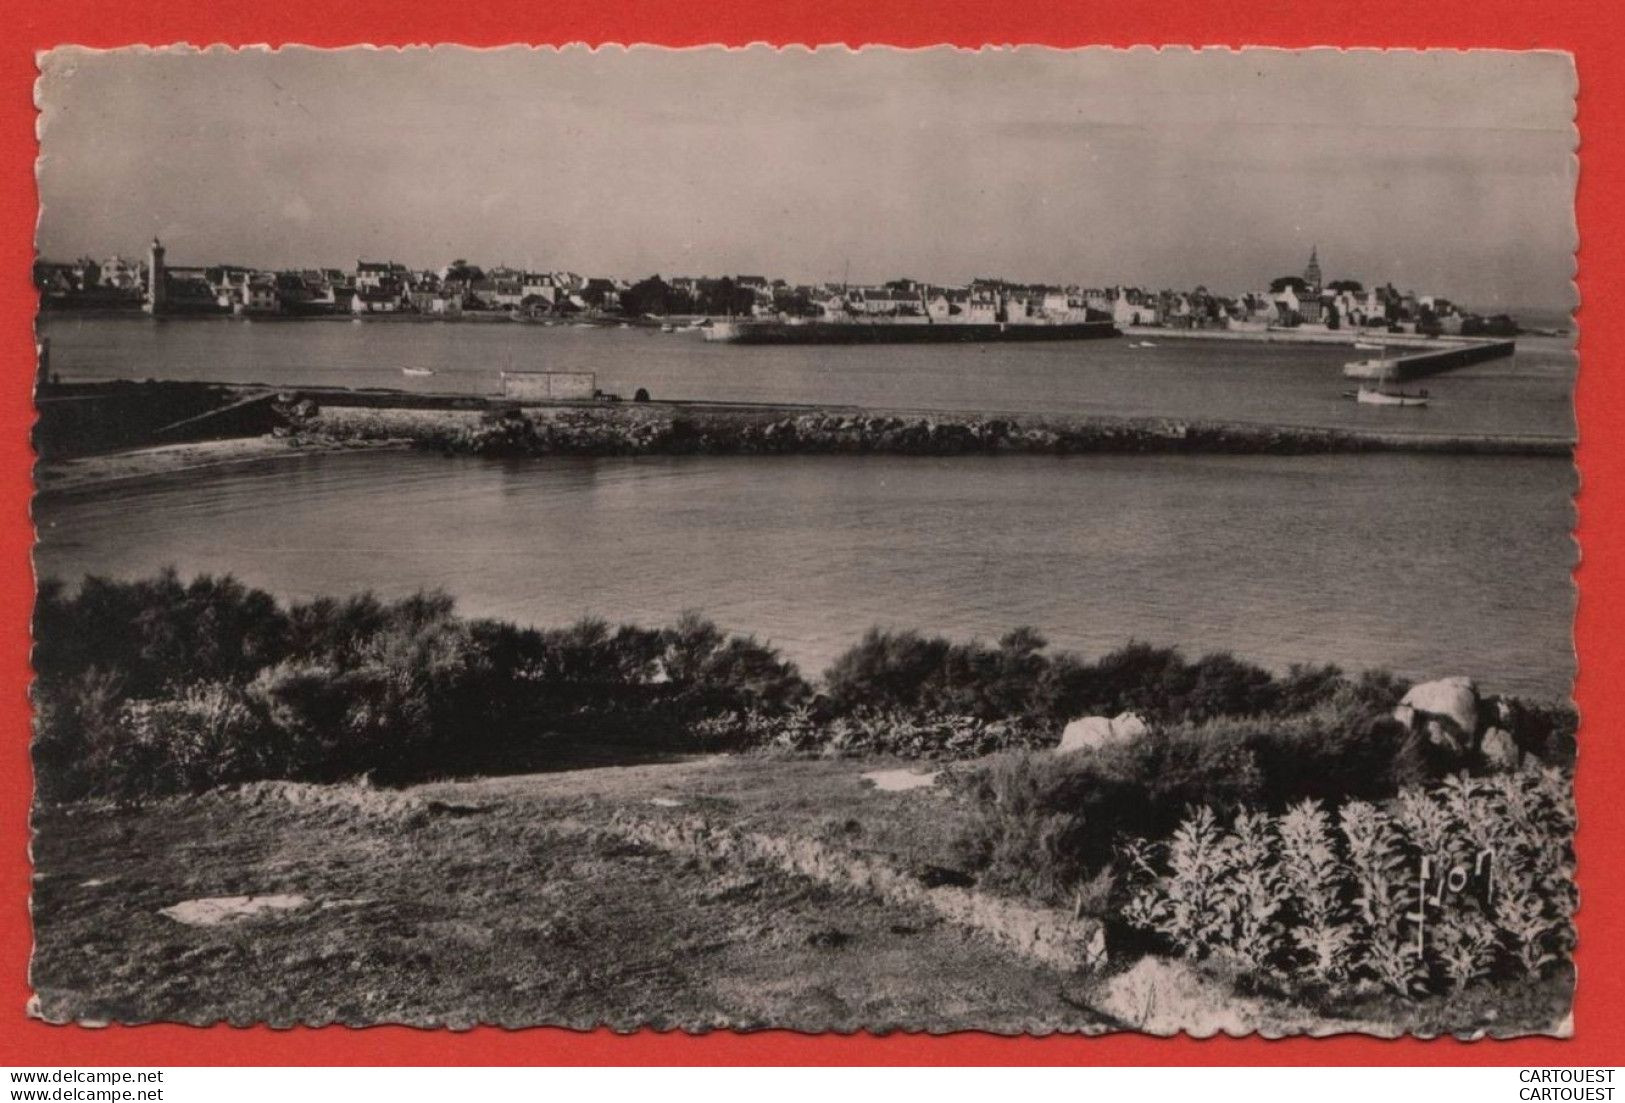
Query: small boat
[[417, 371], [1147, 345], [1376, 396], [1367, 346], [668, 328]]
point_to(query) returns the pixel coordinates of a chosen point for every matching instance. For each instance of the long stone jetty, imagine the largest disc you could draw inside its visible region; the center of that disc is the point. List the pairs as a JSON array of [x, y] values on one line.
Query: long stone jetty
[[656, 428], [79, 423], [1414, 365]]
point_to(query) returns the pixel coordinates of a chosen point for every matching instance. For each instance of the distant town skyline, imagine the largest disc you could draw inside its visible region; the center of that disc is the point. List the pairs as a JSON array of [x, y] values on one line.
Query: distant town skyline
[[1450, 173]]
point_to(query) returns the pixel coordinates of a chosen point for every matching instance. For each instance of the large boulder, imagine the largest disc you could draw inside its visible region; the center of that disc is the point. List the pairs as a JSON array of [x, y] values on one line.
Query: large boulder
[[1093, 732], [1442, 733], [1087, 734], [1499, 750], [1452, 699], [1129, 726]]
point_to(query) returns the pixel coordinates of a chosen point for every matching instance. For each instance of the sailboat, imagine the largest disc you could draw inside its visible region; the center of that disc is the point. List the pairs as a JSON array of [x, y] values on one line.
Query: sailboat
[[1379, 395]]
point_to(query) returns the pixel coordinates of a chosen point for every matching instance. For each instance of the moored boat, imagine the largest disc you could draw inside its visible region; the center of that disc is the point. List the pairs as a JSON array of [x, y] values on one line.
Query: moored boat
[[1377, 396]]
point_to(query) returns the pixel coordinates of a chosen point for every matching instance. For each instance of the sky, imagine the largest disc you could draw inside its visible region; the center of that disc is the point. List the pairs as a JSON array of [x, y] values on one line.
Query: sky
[[1441, 172]]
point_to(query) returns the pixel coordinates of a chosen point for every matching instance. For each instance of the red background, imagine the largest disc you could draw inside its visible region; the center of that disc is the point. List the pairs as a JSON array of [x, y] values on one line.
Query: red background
[[1587, 29]]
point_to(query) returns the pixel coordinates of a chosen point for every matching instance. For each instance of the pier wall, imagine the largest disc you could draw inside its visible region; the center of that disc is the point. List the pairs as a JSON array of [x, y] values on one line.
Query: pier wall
[[696, 429], [1419, 364], [1300, 335], [84, 419]]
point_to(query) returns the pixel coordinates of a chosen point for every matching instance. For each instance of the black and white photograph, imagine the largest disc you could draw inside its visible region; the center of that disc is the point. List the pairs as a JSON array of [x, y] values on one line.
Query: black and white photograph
[[1018, 540]]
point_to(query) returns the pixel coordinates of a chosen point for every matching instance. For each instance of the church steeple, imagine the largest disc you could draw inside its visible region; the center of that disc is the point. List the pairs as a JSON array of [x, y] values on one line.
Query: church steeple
[[1311, 275]]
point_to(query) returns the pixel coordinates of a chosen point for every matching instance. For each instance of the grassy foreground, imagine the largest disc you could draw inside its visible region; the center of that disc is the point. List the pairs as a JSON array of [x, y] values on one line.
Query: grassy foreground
[[494, 902], [520, 901]]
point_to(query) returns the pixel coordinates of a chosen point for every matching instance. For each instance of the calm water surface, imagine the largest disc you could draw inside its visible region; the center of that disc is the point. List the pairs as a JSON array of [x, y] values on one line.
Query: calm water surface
[[1426, 564], [1291, 384]]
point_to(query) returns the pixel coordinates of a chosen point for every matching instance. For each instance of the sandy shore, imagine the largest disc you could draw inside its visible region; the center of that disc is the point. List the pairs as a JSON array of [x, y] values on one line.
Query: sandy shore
[[112, 468]]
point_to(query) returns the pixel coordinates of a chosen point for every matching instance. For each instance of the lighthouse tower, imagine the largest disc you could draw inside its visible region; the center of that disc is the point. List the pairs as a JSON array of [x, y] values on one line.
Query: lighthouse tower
[[157, 283]]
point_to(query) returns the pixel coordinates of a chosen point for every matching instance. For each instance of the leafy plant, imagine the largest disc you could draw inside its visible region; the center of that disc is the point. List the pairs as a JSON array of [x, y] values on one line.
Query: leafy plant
[[1256, 897], [1311, 876], [1461, 882], [1385, 895]]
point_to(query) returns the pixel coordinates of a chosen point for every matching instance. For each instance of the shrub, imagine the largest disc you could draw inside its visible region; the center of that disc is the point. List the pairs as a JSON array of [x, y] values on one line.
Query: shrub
[[157, 633], [1219, 684], [1137, 677], [1547, 729], [1307, 864], [802, 730], [904, 670], [211, 733], [1140, 789], [1193, 904], [1331, 751], [713, 671], [1020, 835], [158, 685], [886, 670], [1467, 880], [407, 689], [76, 731], [1144, 788], [1306, 687]]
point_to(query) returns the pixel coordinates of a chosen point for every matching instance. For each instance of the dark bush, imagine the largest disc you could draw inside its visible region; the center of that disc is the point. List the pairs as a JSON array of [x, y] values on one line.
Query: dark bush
[[1022, 836], [209, 734], [1548, 729], [76, 723], [1304, 687], [157, 686], [1042, 823], [886, 670], [1220, 684], [715, 672], [904, 670], [158, 633], [1137, 677]]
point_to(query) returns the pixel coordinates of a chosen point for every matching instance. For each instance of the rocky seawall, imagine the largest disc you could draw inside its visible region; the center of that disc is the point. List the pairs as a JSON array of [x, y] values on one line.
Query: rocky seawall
[[691, 429]]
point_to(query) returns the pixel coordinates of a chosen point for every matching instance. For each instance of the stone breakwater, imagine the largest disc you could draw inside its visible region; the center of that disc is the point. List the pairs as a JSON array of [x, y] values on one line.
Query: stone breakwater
[[676, 429]]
